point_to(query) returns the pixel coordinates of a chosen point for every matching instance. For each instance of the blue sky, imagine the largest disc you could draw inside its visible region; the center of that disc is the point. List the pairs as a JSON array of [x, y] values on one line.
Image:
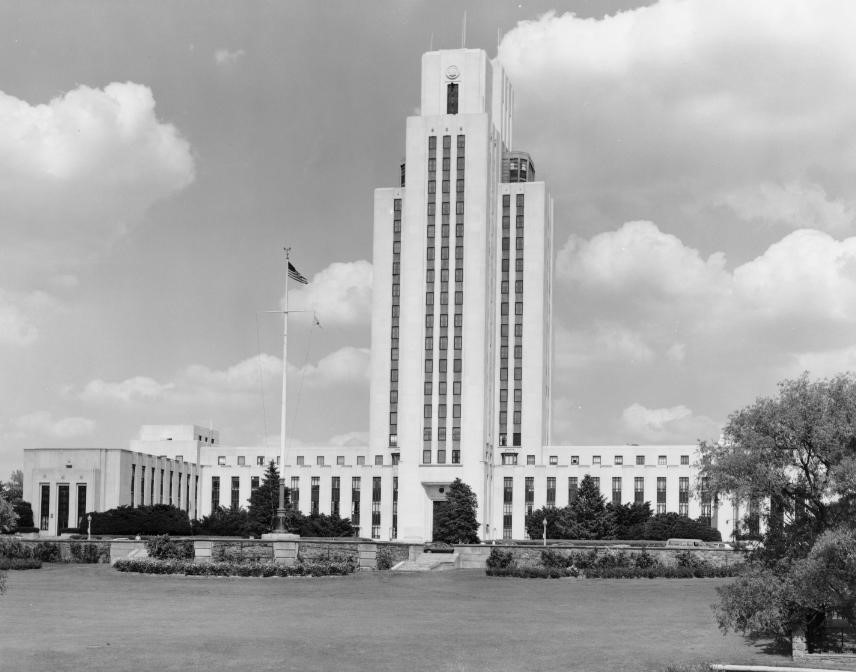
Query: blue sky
[[155, 157]]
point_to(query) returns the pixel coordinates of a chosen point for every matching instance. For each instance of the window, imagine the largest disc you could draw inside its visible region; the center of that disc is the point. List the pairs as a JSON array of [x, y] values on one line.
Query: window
[[616, 490], [242, 461], [661, 494], [509, 458], [361, 460], [335, 495], [300, 460], [215, 491], [254, 483], [573, 488], [554, 459], [378, 460], [295, 493], [619, 459], [575, 459], [507, 511], [529, 494], [451, 100], [596, 481], [640, 459], [260, 460], [355, 501], [661, 460], [235, 501], [595, 460], [685, 459], [319, 460], [639, 490], [180, 458], [315, 490], [221, 460], [340, 460], [530, 459], [426, 456], [551, 491]]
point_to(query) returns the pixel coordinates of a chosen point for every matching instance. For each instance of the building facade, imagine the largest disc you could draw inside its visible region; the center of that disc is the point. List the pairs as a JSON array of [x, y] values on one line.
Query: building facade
[[461, 356]]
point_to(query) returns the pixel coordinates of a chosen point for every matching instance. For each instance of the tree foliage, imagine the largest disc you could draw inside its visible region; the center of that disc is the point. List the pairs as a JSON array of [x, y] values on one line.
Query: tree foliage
[[796, 453], [155, 519], [8, 517], [455, 519], [264, 503]]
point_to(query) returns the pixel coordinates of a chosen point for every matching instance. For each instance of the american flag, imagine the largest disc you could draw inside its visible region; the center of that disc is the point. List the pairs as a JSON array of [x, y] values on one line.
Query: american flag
[[296, 275]]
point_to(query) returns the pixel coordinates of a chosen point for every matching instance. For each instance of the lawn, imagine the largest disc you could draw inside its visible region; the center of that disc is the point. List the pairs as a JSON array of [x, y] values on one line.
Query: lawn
[[90, 617]]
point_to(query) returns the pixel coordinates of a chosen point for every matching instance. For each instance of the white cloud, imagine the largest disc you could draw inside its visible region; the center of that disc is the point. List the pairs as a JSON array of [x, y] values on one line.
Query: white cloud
[[680, 105], [346, 366], [350, 439], [42, 423], [19, 315], [139, 388], [666, 424], [78, 171], [341, 294], [226, 57], [794, 205]]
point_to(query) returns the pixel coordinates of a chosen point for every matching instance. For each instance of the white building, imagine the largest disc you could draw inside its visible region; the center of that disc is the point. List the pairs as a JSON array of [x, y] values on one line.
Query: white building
[[461, 355]]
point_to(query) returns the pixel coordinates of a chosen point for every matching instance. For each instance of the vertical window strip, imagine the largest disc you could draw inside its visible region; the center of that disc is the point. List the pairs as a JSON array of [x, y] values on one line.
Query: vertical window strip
[[430, 280], [443, 344], [396, 291], [457, 342], [518, 319], [504, 322]]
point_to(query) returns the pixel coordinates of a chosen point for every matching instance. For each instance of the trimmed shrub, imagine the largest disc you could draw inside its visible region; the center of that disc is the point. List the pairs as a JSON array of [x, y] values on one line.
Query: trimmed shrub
[[25, 516], [554, 559], [87, 552], [46, 551], [526, 572], [13, 548], [20, 563], [662, 572], [386, 559], [163, 547], [261, 569], [672, 525], [500, 559], [644, 560], [155, 519]]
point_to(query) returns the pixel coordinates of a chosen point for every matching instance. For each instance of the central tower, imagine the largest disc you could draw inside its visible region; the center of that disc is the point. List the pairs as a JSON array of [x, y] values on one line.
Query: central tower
[[448, 336]]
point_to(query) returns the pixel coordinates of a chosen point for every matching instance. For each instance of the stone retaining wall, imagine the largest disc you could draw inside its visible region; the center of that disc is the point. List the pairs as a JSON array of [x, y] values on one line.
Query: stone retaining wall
[[475, 556]]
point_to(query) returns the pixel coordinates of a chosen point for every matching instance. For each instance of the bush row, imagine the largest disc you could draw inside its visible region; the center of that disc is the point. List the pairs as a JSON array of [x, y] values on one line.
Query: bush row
[[163, 547], [20, 563], [592, 559], [534, 572], [265, 569], [46, 551], [662, 572]]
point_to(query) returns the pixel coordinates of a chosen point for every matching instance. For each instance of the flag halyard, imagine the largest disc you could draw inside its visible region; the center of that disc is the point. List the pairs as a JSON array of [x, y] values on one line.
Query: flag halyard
[[296, 275]]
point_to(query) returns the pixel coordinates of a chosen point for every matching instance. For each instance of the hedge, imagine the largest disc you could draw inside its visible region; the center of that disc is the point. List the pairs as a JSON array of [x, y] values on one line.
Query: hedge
[[661, 572], [164, 548], [526, 572], [155, 519], [46, 551], [20, 563], [263, 569]]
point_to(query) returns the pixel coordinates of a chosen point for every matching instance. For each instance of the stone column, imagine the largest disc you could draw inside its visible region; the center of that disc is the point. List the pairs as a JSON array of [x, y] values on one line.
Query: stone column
[[367, 556], [202, 550], [285, 552]]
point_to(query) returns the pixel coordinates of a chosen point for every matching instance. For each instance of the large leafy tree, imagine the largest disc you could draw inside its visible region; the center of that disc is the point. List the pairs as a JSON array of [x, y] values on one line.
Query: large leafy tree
[[455, 519], [630, 519], [795, 452]]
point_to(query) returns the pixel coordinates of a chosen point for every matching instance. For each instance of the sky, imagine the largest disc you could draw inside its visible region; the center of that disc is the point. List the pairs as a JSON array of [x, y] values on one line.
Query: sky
[[155, 157]]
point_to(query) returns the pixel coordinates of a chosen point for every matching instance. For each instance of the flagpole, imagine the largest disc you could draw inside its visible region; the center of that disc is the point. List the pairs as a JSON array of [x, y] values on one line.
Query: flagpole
[[280, 513]]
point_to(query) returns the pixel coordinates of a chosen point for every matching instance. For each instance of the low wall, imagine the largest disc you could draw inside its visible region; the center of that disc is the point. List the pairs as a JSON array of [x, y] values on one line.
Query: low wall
[[474, 556]]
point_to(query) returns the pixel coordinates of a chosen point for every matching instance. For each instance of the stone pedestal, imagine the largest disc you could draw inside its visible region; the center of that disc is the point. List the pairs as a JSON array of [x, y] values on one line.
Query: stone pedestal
[[285, 552], [366, 557], [202, 550]]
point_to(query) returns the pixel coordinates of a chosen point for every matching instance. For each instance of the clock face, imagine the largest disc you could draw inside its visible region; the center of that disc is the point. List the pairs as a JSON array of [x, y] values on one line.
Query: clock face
[[452, 72]]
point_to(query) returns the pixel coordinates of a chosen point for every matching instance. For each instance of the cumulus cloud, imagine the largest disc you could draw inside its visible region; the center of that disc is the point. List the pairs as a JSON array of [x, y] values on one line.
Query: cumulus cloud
[[350, 439], [42, 423], [226, 57], [681, 105], [18, 316], [78, 171], [139, 388], [341, 294], [348, 365], [666, 424]]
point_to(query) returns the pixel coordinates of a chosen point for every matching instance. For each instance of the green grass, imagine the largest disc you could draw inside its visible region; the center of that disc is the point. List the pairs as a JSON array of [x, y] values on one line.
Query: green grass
[[90, 617]]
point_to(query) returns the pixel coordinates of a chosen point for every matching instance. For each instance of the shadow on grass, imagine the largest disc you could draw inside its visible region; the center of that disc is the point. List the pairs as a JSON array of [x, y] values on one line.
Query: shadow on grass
[[771, 646]]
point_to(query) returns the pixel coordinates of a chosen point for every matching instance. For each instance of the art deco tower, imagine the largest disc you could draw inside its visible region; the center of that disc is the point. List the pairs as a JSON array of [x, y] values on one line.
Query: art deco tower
[[461, 319]]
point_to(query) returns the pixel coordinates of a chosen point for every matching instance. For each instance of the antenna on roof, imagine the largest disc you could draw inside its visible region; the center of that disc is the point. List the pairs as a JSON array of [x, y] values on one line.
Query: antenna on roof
[[464, 31]]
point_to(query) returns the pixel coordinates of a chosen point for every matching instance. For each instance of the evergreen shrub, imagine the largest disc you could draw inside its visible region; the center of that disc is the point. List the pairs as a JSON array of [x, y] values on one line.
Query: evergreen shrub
[[260, 569], [155, 519], [163, 547], [499, 559], [20, 563]]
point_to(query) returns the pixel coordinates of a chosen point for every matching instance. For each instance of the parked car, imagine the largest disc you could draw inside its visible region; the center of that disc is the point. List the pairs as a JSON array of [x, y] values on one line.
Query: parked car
[[722, 545], [685, 543]]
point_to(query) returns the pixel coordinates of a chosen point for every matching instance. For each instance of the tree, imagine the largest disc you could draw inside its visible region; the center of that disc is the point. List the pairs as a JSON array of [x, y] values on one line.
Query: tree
[[589, 508], [13, 489], [630, 519], [672, 525], [223, 522], [264, 503], [455, 519], [796, 454], [8, 517], [322, 525]]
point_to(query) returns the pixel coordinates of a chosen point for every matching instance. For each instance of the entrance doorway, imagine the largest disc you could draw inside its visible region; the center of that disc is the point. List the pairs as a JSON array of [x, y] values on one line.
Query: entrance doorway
[[62, 508], [436, 509]]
